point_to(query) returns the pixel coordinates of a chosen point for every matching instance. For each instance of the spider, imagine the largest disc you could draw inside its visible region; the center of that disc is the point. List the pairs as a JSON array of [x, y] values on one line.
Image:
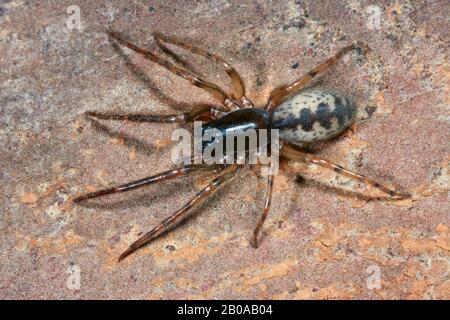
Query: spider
[[302, 116]]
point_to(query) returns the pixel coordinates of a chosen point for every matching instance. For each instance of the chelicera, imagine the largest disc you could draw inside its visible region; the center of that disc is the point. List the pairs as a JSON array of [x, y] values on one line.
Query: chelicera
[[302, 116]]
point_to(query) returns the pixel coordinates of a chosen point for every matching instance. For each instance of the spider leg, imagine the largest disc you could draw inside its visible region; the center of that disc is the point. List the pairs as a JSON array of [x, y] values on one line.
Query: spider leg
[[196, 81], [238, 84], [278, 94], [227, 174], [183, 118], [297, 155], [254, 241], [167, 175]]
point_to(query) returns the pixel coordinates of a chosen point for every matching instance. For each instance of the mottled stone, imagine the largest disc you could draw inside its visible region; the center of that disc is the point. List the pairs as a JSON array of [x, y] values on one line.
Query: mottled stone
[[323, 238]]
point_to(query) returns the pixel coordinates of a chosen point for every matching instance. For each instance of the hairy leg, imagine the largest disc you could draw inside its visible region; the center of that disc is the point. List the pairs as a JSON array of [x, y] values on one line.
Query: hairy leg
[[182, 118], [227, 174], [297, 155], [196, 81], [278, 94], [254, 241], [167, 175], [238, 84]]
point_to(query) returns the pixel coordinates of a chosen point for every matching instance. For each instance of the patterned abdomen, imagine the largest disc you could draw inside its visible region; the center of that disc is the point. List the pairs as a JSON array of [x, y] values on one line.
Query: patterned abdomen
[[313, 115]]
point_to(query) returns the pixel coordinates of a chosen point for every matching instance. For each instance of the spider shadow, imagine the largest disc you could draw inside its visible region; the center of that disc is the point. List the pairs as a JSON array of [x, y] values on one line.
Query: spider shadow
[[176, 58], [139, 199], [207, 205], [140, 145], [129, 140], [148, 81], [325, 187], [143, 199], [321, 146]]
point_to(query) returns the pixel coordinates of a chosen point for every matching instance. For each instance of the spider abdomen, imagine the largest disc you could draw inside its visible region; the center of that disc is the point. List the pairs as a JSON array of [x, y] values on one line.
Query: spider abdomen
[[313, 115]]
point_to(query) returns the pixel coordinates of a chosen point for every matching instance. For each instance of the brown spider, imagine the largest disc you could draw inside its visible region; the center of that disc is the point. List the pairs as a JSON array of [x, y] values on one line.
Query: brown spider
[[302, 118]]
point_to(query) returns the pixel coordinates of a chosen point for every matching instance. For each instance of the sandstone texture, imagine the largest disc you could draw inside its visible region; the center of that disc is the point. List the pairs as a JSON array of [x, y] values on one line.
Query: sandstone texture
[[325, 238]]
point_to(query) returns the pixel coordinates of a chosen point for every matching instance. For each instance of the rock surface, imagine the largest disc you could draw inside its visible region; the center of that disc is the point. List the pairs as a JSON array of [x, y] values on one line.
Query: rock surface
[[323, 239]]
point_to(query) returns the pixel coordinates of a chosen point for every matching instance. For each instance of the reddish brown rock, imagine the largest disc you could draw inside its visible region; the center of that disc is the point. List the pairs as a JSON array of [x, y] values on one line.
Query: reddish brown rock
[[323, 238]]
